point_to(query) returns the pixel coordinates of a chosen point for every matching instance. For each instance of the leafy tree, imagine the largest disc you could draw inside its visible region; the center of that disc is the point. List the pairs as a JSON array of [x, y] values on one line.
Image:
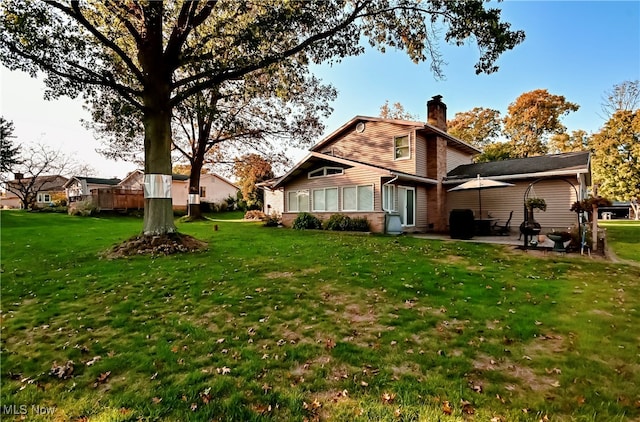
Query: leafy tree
[[532, 118], [623, 96], [496, 151], [142, 51], [39, 166], [396, 111], [616, 157], [478, 127], [250, 170], [9, 154], [578, 140]]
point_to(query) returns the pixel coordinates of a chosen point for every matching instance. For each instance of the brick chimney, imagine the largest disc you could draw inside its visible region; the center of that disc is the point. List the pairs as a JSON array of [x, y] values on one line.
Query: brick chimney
[[437, 112], [437, 164]]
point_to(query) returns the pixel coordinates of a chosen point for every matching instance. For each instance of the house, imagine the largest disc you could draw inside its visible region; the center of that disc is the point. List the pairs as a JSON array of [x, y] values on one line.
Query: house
[[213, 188], [559, 179], [78, 188], [43, 190], [397, 171], [382, 169]]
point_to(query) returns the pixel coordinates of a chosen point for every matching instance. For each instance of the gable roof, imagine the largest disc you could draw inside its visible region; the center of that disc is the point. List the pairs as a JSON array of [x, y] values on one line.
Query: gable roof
[[46, 183], [419, 126], [519, 168], [315, 159], [93, 180]]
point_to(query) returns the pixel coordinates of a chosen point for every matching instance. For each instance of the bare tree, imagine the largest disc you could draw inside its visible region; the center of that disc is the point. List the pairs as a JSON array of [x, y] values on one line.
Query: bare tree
[[624, 96], [40, 169]]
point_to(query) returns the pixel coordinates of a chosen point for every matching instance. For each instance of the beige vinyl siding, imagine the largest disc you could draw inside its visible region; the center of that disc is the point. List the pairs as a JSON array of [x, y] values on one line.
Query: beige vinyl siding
[[457, 158], [421, 155], [421, 208], [499, 202], [376, 145]]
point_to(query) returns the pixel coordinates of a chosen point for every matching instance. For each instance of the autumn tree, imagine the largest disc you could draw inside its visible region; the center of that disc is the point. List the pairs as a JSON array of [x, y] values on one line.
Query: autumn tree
[[495, 151], [577, 140], [396, 111], [478, 127], [616, 157], [142, 50], [532, 118], [9, 153], [624, 96], [249, 170]]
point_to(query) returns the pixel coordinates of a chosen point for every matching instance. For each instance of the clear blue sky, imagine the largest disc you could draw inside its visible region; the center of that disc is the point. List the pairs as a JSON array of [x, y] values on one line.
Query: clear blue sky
[[578, 49]]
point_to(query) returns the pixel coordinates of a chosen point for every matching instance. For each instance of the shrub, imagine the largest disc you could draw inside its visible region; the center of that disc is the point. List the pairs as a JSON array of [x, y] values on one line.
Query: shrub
[[341, 222], [360, 224], [273, 220], [83, 208], [306, 221], [255, 215], [338, 222]]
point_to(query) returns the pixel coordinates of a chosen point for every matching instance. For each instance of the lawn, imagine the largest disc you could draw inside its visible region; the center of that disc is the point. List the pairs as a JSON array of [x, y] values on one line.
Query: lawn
[[623, 238], [274, 324]]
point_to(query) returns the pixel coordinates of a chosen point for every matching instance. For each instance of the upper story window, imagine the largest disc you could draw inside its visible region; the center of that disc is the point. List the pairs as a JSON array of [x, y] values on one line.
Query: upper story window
[[325, 171], [401, 149]]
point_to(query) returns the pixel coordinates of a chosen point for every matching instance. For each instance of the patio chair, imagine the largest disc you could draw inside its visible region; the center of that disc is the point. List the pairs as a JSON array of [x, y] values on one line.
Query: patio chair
[[501, 229]]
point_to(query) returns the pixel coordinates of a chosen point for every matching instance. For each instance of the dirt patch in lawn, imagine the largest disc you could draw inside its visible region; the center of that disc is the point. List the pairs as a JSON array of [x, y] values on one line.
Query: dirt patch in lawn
[[524, 377], [167, 244]]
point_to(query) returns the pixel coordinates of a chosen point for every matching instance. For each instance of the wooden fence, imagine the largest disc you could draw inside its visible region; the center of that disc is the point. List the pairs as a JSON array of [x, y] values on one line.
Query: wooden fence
[[118, 198]]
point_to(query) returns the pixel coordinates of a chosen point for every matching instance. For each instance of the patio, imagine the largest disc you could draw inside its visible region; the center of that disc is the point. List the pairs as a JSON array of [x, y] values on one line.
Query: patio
[[510, 239]]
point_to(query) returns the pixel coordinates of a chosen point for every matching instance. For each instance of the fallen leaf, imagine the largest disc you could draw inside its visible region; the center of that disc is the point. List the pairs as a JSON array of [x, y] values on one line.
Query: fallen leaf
[[446, 408], [388, 398], [156, 400], [467, 408], [102, 378], [330, 344]]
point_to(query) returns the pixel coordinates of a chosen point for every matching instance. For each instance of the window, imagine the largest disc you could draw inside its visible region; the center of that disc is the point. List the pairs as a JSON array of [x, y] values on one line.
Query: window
[[325, 171], [325, 199], [401, 147], [388, 197], [357, 198], [298, 201], [44, 197], [203, 191]]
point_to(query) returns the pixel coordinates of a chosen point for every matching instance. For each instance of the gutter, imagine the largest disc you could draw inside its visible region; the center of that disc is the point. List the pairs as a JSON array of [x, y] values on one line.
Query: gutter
[[571, 172]]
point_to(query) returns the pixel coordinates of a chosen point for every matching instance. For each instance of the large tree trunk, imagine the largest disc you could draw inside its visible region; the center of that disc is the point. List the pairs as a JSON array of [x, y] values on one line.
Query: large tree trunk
[[158, 208], [194, 209]]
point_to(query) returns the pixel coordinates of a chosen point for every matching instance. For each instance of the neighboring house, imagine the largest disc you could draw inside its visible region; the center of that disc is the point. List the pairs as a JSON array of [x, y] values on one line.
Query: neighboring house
[[43, 189], [213, 188], [559, 179], [373, 167], [79, 188], [385, 170]]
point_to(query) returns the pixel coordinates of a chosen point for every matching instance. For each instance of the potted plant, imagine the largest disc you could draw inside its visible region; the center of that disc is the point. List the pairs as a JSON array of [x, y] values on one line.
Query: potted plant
[[535, 203]]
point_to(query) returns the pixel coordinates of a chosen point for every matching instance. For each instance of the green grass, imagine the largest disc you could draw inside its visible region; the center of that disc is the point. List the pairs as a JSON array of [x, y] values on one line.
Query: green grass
[[623, 237], [273, 324]]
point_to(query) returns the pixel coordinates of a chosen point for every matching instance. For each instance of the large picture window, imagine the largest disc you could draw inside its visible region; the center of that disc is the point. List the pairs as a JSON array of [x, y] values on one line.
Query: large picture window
[[325, 199], [401, 147], [298, 201], [357, 198]]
